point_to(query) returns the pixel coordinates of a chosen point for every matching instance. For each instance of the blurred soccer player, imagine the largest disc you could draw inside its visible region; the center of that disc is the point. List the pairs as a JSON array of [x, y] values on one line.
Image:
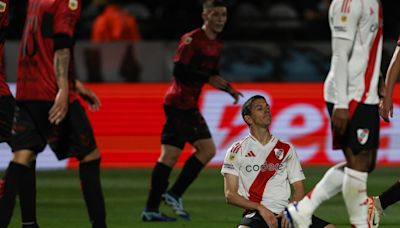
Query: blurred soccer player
[[48, 109], [195, 63], [259, 169], [351, 94], [392, 194], [7, 102]]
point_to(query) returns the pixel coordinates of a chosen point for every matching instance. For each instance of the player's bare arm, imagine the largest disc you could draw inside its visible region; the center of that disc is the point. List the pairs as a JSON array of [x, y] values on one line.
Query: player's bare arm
[[89, 96], [231, 185], [298, 191], [386, 106], [61, 66], [221, 84]]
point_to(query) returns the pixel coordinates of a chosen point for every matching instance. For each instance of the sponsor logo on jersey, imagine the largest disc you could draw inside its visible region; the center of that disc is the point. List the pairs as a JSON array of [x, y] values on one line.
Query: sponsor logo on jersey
[[188, 40], [362, 135], [264, 167], [73, 4], [3, 6], [279, 153], [250, 154]]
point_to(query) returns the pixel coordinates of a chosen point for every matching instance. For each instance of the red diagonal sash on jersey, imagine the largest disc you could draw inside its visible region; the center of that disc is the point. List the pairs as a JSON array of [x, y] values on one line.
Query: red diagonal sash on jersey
[[372, 57], [257, 188]]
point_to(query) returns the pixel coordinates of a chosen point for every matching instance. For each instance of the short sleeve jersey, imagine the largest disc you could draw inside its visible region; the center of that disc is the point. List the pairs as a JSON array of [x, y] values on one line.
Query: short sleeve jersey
[[4, 90], [45, 18], [359, 21], [199, 53], [265, 171]]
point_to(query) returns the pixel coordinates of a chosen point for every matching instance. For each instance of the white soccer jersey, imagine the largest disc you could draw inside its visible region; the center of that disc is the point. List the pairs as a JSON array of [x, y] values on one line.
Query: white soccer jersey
[[265, 171], [359, 21]]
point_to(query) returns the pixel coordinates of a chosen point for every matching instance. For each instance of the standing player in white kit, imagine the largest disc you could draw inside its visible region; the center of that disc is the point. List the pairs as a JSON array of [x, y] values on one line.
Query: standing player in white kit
[[351, 95]]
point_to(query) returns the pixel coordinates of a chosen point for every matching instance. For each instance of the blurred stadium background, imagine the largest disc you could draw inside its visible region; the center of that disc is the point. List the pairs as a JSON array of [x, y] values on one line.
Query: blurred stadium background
[[278, 48]]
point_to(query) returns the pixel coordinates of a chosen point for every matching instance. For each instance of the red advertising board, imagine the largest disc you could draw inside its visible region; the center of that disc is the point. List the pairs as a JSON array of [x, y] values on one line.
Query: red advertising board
[[129, 123]]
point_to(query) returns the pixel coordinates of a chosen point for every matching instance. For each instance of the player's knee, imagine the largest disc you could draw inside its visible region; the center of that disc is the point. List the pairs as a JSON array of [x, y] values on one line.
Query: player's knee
[[24, 157], [362, 160], [372, 166], [94, 155], [169, 159]]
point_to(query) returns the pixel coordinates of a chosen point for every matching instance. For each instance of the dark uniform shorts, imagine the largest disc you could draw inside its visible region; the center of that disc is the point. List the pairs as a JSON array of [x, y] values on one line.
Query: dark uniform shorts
[[183, 126], [73, 137], [7, 106], [362, 130], [254, 220]]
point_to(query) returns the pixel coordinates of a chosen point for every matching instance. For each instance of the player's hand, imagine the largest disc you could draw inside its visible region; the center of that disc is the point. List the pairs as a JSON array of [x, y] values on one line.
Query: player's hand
[[340, 118], [386, 108], [268, 217], [284, 221], [89, 96], [235, 94], [60, 107]]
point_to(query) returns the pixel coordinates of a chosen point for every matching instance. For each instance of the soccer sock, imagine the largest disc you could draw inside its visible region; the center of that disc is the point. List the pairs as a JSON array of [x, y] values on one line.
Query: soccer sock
[[328, 186], [27, 197], [189, 173], [158, 186], [15, 172], [89, 173], [390, 196], [355, 196]]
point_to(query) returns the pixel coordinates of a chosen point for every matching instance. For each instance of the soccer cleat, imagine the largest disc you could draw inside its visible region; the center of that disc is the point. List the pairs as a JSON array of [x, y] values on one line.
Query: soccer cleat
[[155, 216], [177, 206], [374, 211], [296, 218]]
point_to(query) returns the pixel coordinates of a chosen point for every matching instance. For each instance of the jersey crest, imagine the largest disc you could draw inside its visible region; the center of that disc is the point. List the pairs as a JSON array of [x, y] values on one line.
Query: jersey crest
[[279, 153], [3, 6], [188, 40], [362, 135], [73, 4]]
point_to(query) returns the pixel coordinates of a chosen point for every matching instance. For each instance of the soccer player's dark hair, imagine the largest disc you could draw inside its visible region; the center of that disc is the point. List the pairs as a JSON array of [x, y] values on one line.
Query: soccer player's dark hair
[[246, 108], [213, 3]]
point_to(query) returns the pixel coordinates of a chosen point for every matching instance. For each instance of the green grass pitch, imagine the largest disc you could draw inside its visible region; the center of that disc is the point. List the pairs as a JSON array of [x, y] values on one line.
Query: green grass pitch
[[60, 203]]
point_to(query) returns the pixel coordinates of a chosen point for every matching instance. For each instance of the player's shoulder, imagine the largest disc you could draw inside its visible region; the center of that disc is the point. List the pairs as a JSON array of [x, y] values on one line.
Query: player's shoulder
[[192, 35], [346, 6], [284, 144], [238, 145]]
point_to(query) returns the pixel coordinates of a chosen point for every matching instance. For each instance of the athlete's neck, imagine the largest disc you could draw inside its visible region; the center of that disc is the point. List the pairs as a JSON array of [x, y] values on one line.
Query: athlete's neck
[[261, 134], [209, 33]]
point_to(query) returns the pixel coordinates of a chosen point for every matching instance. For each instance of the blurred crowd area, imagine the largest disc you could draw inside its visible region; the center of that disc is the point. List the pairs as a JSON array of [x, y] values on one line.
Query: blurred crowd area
[[265, 40], [267, 20]]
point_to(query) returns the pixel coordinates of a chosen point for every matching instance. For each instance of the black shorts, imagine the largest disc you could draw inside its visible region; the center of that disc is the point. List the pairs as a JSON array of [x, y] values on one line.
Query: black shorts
[[183, 126], [254, 220], [363, 128], [73, 137], [7, 107]]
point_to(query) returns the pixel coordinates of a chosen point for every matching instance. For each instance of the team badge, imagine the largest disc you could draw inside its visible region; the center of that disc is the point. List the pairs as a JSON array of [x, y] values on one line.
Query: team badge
[[73, 4], [188, 40], [3, 6], [362, 135], [343, 19], [231, 157], [278, 153]]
